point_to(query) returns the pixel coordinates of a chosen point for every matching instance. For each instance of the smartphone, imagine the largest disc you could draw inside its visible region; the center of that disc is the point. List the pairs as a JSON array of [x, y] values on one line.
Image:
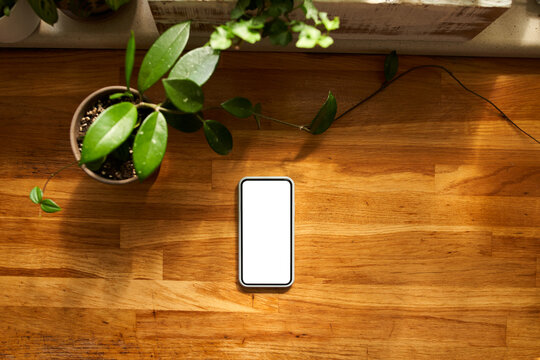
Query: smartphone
[[266, 232]]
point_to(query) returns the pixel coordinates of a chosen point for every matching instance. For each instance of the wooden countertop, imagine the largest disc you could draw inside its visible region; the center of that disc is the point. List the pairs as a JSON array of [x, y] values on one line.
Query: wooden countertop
[[417, 218]]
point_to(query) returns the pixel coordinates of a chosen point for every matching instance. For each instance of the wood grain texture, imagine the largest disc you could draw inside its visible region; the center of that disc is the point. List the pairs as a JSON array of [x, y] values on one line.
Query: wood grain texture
[[417, 218]]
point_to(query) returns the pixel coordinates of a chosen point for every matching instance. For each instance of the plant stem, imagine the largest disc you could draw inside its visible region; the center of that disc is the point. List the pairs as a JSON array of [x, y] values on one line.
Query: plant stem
[[159, 108], [170, 111], [212, 108], [56, 173], [300, 127], [148, 105], [200, 118], [387, 83]]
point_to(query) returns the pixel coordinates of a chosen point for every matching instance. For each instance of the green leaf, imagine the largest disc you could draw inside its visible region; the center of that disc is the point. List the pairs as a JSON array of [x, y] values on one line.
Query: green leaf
[[325, 41], [187, 123], [279, 33], [325, 117], [184, 94], [258, 22], [95, 165], [239, 9], [221, 38], [116, 96], [279, 7], [46, 10], [36, 195], [50, 206], [111, 128], [329, 24], [115, 4], [390, 65], [311, 11], [130, 58], [256, 111], [197, 65], [248, 30], [239, 107], [150, 144], [5, 7], [162, 55], [218, 136], [282, 39], [308, 37]]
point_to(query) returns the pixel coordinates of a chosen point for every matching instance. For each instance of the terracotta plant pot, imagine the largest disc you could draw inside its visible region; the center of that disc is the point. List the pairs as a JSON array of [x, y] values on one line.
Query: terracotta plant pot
[[86, 105], [20, 24]]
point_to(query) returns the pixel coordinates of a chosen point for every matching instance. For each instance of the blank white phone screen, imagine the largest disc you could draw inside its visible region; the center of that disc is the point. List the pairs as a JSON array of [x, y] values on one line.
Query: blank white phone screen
[[266, 234]]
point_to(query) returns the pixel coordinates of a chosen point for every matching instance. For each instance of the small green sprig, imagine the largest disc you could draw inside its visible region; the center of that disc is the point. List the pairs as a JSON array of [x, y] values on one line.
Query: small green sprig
[[47, 205], [6, 6], [252, 20]]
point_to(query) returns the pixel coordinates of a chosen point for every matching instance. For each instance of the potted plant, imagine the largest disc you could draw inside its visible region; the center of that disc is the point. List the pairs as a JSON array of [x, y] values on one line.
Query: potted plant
[[119, 136], [17, 20], [89, 9]]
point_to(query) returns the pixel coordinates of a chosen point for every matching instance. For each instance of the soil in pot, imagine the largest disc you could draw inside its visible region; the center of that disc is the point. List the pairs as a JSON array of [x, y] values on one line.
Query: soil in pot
[[119, 164]]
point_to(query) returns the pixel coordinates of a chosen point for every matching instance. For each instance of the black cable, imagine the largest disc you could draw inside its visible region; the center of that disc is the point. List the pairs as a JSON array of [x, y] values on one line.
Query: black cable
[[387, 83]]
